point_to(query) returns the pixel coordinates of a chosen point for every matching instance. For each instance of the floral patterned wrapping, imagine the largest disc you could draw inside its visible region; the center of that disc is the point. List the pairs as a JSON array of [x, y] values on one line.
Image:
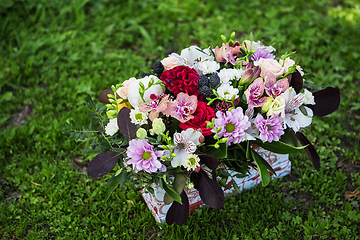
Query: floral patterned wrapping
[[279, 162]]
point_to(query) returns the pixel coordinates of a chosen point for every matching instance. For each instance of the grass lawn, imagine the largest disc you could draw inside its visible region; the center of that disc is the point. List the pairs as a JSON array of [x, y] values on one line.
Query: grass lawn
[[55, 53]]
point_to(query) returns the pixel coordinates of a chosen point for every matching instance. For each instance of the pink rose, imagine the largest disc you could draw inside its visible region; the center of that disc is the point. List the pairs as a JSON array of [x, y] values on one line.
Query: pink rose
[[171, 62], [270, 65], [123, 91]]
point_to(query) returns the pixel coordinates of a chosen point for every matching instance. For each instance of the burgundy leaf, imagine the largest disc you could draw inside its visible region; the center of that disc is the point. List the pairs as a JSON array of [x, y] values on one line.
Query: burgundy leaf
[[195, 178], [296, 81], [310, 150], [210, 191], [103, 96], [327, 101], [126, 127], [102, 164], [209, 160], [178, 213]]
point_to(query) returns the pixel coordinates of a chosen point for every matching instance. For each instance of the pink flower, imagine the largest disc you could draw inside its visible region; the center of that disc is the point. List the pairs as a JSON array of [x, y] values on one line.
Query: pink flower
[[270, 128], [142, 156], [183, 107], [274, 88], [254, 92], [227, 54]]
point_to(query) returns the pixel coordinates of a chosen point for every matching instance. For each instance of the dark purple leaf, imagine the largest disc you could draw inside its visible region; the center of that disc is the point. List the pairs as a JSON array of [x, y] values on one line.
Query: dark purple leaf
[[209, 160], [195, 178], [210, 191], [296, 81], [103, 96], [310, 150], [102, 164], [178, 213], [327, 101], [126, 127]]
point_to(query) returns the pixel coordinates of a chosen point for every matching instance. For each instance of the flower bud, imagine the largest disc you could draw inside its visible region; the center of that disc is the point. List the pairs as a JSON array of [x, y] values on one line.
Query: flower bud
[[257, 71], [190, 185], [249, 66], [141, 133], [247, 77]]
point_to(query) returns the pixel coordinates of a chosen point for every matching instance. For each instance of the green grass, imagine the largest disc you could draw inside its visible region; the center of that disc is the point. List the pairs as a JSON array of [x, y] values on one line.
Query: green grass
[[54, 53]]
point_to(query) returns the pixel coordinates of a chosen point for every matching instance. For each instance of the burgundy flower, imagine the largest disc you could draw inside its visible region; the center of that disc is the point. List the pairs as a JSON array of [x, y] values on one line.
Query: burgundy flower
[[202, 114], [181, 79]]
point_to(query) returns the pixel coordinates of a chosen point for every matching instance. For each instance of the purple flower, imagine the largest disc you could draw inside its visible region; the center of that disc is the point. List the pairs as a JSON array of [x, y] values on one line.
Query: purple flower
[[261, 53], [233, 125], [270, 128], [254, 92], [142, 156]]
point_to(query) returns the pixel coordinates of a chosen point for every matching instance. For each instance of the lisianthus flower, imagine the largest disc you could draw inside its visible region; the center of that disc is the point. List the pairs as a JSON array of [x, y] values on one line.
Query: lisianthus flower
[[233, 125], [192, 162], [270, 65], [227, 54], [183, 107], [274, 88], [137, 117], [254, 92], [185, 144], [142, 157], [123, 90], [270, 128], [287, 63], [277, 106], [308, 97], [227, 91], [112, 127]]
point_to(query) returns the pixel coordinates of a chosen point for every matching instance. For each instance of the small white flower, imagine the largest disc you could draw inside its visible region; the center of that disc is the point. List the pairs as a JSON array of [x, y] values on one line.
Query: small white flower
[[277, 106], [112, 127], [300, 70], [192, 162], [258, 45], [207, 67], [309, 98], [227, 92], [137, 117], [230, 74]]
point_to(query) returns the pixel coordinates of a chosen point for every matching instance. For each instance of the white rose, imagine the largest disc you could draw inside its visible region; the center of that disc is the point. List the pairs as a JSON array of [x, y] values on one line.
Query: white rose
[[277, 107], [270, 65], [112, 127], [122, 91], [134, 97], [172, 61], [288, 63]]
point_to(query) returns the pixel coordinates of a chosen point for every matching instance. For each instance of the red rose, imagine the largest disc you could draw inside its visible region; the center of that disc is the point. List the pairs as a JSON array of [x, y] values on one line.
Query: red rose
[[202, 114], [181, 79]]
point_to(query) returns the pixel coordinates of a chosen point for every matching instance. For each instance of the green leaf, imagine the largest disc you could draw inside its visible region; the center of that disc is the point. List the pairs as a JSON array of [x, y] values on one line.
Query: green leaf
[[236, 187], [119, 180], [279, 147], [248, 153], [264, 162], [171, 192], [219, 153], [264, 174]]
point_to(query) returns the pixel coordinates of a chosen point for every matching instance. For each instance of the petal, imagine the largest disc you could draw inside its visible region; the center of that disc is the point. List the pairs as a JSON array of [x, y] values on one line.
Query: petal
[[190, 147], [178, 138]]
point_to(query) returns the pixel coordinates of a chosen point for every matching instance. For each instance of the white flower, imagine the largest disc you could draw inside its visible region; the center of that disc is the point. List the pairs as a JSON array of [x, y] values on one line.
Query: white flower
[[300, 70], [185, 144], [137, 117], [208, 66], [287, 63], [227, 91], [270, 65], [112, 127], [277, 106], [192, 162], [133, 94], [296, 119], [230, 74], [309, 97]]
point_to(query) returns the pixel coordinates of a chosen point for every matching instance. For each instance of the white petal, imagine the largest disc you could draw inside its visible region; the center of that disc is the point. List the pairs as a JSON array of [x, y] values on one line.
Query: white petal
[[178, 138], [180, 158]]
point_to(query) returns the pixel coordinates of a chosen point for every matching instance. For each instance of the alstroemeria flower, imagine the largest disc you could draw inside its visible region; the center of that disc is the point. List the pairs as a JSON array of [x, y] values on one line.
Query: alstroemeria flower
[[254, 92], [274, 88], [183, 107], [155, 106], [185, 144]]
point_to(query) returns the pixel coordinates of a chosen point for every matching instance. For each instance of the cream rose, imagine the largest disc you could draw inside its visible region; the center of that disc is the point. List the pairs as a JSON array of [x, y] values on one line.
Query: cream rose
[[288, 63], [122, 91], [270, 65], [277, 106], [172, 61]]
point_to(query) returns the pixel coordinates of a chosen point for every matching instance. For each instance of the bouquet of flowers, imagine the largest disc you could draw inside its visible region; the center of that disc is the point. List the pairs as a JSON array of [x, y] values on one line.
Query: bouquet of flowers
[[196, 115]]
